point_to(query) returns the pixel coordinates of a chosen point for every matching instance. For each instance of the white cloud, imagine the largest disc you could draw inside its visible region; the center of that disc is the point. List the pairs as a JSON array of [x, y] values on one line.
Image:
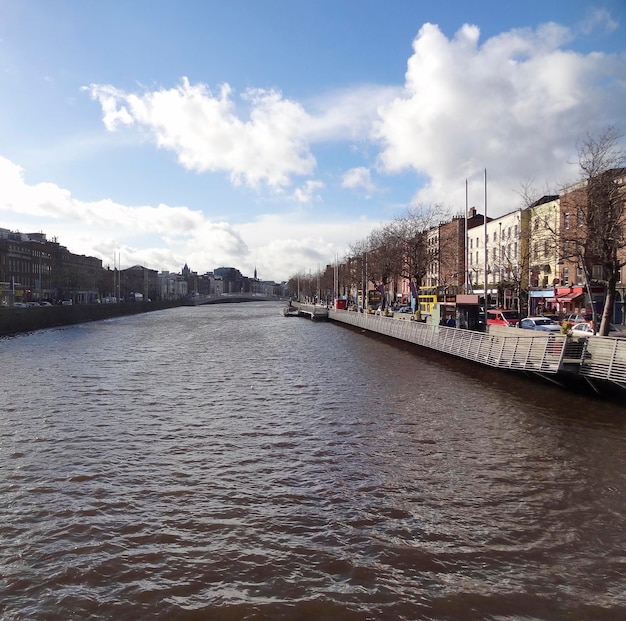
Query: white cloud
[[286, 245], [207, 135], [359, 178], [598, 19], [348, 114], [308, 192], [165, 237], [515, 105], [208, 132]]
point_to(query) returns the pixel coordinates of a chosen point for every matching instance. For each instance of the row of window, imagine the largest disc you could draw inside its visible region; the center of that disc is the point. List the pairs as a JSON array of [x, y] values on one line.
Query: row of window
[[505, 254], [505, 235], [18, 266]]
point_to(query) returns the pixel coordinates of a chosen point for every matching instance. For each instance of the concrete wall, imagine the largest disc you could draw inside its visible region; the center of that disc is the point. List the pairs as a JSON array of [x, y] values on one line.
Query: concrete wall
[[18, 320]]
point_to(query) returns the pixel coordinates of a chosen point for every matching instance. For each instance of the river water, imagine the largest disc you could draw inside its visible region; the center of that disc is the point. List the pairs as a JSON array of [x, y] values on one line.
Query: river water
[[226, 463]]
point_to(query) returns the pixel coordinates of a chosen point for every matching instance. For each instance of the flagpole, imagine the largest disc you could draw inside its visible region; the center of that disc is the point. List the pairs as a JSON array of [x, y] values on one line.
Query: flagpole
[[466, 241], [486, 239]]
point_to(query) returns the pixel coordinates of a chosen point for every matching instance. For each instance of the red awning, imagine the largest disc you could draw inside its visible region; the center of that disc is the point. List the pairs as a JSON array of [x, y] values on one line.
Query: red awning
[[568, 297], [565, 297]]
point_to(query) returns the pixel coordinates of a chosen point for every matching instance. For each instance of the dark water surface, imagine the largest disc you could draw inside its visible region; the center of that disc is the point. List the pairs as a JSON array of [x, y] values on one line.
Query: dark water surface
[[223, 462]]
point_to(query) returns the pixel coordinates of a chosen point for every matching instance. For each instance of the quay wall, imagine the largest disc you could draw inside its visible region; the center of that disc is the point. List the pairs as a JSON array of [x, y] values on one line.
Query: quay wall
[[20, 320]]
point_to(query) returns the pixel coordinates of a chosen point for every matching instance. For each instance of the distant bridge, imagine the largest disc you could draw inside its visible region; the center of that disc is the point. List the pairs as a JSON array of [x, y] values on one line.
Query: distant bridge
[[226, 298]]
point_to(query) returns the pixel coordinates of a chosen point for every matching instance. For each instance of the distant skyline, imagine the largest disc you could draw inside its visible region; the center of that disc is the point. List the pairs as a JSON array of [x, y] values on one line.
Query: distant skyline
[[275, 133]]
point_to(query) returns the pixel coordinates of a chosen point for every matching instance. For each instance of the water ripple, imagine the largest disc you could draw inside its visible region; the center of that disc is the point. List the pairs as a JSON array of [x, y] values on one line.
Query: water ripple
[[228, 463]]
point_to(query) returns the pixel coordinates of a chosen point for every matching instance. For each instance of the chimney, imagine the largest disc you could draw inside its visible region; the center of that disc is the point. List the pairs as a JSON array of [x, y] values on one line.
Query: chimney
[[472, 212]]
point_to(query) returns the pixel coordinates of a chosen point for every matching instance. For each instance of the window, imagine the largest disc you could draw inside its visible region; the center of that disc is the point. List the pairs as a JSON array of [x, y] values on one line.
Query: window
[[565, 275], [471, 243], [546, 221], [596, 272], [536, 224], [493, 254], [566, 221], [545, 247], [516, 231], [570, 248], [508, 233]]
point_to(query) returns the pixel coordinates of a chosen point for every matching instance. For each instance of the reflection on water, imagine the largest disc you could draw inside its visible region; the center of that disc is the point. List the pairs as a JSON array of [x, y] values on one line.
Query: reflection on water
[[223, 462]]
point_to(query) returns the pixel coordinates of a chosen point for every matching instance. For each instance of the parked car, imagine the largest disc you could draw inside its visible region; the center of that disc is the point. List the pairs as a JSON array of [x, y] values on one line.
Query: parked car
[[501, 317], [556, 318], [405, 309], [586, 329], [45, 304], [19, 305], [543, 324], [575, 318]]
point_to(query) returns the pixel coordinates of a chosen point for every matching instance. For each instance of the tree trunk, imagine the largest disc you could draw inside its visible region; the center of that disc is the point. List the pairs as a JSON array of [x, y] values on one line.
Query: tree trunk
[[609, 302]]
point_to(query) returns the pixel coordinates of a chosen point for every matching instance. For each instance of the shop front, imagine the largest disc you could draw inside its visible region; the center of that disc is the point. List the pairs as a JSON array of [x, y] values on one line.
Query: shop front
[[541, 302], [576, 300]]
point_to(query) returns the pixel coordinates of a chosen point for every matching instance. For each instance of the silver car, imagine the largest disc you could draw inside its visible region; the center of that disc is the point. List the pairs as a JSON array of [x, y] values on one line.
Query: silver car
[[543, 324], [585, 329]]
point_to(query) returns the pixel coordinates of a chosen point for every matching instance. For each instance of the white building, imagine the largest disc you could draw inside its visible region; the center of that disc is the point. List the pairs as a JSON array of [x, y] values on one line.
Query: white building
[[495, 254], [171, 286]]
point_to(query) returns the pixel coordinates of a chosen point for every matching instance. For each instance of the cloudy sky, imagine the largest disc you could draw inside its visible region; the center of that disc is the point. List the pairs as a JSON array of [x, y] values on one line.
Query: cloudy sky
[[274, 133]]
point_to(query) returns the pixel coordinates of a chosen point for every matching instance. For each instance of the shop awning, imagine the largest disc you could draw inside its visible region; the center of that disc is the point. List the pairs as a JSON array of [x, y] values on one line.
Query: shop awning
[[543, 293], [568, 297]]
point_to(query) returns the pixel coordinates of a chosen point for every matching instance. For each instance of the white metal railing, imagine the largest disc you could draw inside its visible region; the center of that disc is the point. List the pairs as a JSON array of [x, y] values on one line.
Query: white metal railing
[[313, 310], [540, 354], [605, 358], [602, 358]]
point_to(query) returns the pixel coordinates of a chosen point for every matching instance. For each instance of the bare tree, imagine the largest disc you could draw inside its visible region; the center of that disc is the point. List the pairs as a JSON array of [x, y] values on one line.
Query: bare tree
[[417, 249], [594, 230], [303, 286], [402, 248], [384, 259], [355, 266]]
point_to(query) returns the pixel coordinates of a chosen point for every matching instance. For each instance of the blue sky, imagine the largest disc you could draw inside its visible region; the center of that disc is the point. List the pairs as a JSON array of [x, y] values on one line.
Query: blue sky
[[275, 133]]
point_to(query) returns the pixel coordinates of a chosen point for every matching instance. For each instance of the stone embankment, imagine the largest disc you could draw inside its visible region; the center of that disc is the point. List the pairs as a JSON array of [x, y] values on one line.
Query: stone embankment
[[20, 320]]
